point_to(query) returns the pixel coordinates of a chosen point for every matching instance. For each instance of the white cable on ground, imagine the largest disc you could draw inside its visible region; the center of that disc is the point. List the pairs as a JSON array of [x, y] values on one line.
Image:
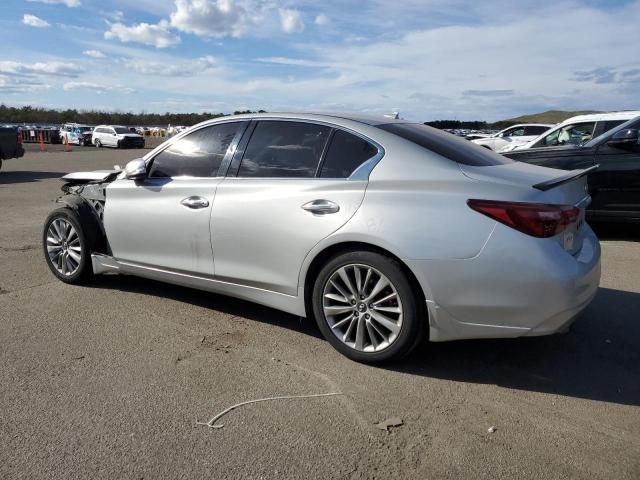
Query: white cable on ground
[[211, 423]]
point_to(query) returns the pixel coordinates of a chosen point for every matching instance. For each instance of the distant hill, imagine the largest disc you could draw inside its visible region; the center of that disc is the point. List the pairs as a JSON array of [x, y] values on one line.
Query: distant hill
[[551, 116]]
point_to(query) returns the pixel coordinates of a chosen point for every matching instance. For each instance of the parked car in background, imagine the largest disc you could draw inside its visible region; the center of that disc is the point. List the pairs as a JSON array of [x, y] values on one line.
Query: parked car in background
[[515, 135], [76, 133], [615, 185], [10, 143], [116, 136], [578, 130], [380, 229]]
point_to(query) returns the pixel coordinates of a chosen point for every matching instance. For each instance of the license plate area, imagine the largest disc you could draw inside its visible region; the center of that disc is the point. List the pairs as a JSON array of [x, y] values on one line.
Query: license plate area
[[571, 234]]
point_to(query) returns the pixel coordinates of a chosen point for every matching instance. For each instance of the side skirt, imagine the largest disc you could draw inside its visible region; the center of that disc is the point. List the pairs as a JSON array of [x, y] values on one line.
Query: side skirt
[[280, 301]]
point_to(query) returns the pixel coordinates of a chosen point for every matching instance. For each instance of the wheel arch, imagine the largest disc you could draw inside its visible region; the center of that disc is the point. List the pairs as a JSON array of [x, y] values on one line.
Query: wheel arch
[[90, 222], [322, 256]]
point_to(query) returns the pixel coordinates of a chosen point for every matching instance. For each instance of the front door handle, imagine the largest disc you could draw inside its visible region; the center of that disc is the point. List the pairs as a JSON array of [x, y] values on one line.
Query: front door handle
[[195, 202], [321, 207]]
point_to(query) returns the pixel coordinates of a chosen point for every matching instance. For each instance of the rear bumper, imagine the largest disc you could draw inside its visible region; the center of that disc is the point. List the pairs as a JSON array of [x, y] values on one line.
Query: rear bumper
[[517, 286]]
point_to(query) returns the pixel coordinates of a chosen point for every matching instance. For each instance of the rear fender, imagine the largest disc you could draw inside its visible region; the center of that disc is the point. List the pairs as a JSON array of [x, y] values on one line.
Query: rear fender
[[90, 222]]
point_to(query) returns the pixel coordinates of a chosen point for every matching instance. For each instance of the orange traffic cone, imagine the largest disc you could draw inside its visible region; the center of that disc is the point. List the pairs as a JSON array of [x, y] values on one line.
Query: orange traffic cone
[[67, 145]]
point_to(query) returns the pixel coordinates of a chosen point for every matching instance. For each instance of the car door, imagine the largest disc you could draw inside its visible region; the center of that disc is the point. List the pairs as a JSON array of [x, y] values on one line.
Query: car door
[[615, 185], [163, 220], [568, 157], [289, 186]]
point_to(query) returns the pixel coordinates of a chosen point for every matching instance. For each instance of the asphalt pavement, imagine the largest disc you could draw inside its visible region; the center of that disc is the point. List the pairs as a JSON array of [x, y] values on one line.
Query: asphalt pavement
[[108, 381]]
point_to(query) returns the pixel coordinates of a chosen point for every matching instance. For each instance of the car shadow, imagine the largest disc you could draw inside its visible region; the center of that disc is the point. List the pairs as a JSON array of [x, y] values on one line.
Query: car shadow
[[9, 177], [598, 359], [222, 303], [617, 231]]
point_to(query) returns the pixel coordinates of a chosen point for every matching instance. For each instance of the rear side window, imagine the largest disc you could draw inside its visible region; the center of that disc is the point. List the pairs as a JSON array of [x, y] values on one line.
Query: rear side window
[[609, 124], [533, 130], [198, 154], [346, 153], [443, 143], [284, 149]]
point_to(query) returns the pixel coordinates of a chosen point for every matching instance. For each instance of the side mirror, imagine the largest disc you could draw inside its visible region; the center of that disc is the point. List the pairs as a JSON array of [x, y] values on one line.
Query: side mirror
[[135, 169], [624, 138]]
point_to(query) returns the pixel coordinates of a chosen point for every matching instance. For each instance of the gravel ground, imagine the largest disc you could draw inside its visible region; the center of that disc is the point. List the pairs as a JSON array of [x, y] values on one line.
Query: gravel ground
[[108, 381]]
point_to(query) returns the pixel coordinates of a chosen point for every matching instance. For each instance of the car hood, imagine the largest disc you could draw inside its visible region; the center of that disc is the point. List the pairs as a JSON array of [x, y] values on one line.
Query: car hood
[[130, 135], [89, 177]]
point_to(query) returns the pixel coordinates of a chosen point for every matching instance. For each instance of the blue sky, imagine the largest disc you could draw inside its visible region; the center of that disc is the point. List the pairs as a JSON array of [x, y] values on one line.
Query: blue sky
[[429, 59]]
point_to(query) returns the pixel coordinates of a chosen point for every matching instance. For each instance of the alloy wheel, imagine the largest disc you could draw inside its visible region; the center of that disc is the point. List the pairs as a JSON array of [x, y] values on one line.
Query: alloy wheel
[[63, 247], [362, 307]]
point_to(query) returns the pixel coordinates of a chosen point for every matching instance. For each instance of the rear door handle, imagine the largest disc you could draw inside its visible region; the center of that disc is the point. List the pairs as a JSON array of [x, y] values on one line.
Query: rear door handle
[[321, 207], [195, 202]]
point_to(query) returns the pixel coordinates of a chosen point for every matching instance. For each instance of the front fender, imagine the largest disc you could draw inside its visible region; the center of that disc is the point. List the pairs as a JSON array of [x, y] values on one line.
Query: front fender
[[90, 222]]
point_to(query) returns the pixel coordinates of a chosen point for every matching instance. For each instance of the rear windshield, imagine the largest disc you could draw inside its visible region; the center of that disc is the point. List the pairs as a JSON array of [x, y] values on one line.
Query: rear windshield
[[446, 144], [121, 130]]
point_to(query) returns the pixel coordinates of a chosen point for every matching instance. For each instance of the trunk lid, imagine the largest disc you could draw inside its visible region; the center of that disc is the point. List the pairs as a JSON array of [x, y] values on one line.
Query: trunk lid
[[543, 185]]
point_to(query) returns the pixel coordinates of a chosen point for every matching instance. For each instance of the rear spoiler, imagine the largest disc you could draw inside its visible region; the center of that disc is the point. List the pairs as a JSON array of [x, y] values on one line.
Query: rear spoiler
[[549, 184]]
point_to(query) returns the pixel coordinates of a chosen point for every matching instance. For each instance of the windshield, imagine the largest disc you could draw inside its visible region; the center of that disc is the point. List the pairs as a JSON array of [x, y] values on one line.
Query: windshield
[[86, 129], [443, 143], [121, 130]]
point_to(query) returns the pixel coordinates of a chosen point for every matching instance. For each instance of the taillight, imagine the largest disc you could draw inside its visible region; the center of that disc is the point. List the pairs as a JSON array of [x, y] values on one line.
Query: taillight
[[535, 219], [19, 137]]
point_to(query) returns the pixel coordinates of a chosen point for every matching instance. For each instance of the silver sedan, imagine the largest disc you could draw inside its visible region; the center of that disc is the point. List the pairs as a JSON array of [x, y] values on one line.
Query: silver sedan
[[386, 232]]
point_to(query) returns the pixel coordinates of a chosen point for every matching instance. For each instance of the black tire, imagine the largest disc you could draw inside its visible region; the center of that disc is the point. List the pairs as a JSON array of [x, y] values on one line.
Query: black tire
[[84, 271], [118, 144], [414, 316]]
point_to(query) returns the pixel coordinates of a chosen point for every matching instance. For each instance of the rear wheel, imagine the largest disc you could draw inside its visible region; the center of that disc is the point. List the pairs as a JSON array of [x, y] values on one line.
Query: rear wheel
[[366, 307], [65, 247]]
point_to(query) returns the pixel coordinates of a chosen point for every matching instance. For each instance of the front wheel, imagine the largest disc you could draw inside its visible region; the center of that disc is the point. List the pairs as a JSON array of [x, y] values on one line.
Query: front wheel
[[65, 247], [366, 307], [98, 143]]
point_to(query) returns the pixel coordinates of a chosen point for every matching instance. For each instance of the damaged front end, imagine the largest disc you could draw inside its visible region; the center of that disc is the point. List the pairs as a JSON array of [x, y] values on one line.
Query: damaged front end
[[85, 193]]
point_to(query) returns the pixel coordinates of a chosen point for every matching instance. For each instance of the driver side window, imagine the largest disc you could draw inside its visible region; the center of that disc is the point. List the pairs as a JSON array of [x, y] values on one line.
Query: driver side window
[[572, 134], [198, 154]]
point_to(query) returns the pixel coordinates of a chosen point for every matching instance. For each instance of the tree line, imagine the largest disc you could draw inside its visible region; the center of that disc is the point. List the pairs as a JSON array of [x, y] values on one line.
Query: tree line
[[43, 116], [470, 125]]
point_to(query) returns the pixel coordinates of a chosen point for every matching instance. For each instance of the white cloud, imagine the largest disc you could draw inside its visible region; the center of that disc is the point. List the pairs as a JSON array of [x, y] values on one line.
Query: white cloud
[[157, 35], [173, 69], [215, 18], [321, 19], [10, 85], [93, 53], [61, 69], [291, 20], [68, 3], [96, 87], [33, 21], [84, 85]]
